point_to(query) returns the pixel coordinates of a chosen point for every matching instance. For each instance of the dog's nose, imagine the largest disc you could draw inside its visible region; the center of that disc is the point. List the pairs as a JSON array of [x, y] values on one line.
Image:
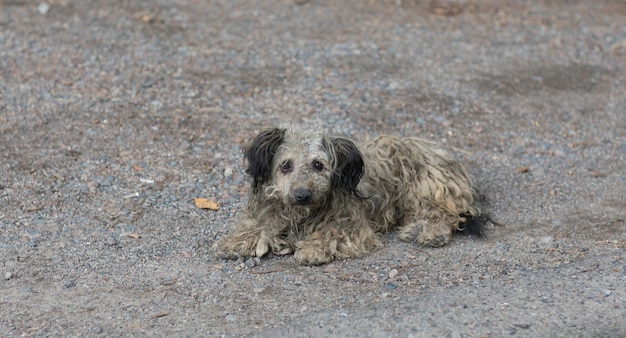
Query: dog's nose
[[302, 196]]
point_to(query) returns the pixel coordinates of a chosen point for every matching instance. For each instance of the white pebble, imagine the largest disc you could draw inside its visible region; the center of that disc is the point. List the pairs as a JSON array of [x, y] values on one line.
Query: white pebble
[[228, 172], [43, 8]]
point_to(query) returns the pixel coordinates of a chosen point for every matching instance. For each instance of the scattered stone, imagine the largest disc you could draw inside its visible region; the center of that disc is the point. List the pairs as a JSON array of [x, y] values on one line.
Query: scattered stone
[[475, 279], [547, 240], [107, 181], [390, 286], [393, 273], [111, 241], [43, 8], [607, 292], [250, 263], [231, 317], [92, 186], [7, 275], [228, 172], [69, 284]]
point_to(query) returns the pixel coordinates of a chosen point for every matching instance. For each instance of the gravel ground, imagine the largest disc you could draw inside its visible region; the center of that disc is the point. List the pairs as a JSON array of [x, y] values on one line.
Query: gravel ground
[[115, 115]]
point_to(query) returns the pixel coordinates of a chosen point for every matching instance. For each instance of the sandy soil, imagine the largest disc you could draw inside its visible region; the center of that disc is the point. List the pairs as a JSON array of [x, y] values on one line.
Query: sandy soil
[[115, 115]]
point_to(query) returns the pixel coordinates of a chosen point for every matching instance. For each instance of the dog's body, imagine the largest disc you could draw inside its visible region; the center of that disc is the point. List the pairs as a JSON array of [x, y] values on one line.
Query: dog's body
[[323, 198]]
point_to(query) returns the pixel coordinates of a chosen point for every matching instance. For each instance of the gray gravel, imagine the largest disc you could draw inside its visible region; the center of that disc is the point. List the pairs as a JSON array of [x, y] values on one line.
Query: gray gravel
[[115, 115]]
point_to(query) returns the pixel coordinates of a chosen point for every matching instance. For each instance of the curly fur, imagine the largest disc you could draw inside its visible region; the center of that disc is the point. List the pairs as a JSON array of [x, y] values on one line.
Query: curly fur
[[324, 198]]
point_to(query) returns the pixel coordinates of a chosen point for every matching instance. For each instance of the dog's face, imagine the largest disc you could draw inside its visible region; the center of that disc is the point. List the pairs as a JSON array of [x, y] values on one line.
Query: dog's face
[[302, 168]]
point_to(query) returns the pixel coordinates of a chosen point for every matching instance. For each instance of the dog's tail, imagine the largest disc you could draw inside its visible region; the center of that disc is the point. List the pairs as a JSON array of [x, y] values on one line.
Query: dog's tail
[[475, 225]]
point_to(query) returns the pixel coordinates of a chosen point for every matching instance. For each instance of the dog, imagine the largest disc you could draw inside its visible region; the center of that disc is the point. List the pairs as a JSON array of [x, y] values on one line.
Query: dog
[[323, 198]]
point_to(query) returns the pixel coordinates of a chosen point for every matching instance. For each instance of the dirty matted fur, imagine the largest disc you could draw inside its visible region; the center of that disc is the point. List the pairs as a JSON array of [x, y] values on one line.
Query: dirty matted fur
[[322, 198]]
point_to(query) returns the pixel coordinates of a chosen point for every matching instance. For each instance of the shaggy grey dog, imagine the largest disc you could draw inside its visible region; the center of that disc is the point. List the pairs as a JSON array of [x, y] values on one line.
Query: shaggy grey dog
[[324, 198]]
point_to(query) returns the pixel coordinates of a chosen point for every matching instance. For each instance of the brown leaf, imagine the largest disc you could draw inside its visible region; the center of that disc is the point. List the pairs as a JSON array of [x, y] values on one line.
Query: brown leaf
[[594, 173], [137, 168], [204, 203], [523, 169], [134, 235], [33, 208]]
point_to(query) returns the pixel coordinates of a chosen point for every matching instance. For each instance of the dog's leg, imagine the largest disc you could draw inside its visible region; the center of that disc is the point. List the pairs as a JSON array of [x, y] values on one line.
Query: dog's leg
[[251, 239], [329, 243], [434, 230]]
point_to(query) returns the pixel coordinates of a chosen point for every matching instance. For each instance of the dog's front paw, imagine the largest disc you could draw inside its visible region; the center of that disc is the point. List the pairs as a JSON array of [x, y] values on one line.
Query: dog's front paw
[[227, 254], [251, 244], [433, 240], [280, 246], [410, 232], [239, 245], [312, 255]]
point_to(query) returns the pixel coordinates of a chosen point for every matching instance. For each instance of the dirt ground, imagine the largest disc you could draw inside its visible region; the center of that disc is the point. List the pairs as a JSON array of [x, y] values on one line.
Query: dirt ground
[[115, 115]]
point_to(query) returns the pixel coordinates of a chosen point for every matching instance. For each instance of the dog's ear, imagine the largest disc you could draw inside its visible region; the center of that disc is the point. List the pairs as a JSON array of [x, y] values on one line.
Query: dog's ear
[[347, 162], [260, 152]]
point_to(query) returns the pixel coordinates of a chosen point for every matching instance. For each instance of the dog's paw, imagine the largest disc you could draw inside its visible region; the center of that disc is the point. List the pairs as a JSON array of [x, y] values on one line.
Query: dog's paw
[[251, 244], [433, 240], [312, 255], [409, 233], [280, 246], [235, 247], [227, 254]]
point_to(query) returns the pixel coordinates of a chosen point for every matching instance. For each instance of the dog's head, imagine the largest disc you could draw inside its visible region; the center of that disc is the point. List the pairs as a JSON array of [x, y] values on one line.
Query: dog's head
[[302, 168]]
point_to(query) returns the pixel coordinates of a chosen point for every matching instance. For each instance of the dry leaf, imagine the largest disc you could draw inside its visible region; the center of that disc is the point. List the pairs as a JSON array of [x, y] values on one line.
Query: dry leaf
[[523, 169], [134, 235], [33, 208], [594, 173], [137, 168], [204, 203]]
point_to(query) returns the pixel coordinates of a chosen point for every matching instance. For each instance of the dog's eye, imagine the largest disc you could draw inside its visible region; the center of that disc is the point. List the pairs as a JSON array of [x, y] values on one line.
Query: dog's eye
[[285, 167], [318, 165]]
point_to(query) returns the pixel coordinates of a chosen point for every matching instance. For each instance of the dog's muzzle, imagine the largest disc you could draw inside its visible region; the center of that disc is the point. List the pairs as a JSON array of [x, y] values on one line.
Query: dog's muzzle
[[302, 196]]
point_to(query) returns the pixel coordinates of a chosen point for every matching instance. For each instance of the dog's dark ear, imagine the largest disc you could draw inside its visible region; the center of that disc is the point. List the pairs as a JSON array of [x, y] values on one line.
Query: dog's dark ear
[[347, 162], [260, 152]]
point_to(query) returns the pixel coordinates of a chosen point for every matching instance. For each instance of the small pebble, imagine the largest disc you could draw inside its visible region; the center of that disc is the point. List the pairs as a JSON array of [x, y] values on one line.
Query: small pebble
[[111, 240], [8, 275], [231, 317], [250, 263], [607, 292], [547, 239], [107, 181], [69, 284], [390, 286], [393, 273], [43, 8], [92, 186], [228, 172]]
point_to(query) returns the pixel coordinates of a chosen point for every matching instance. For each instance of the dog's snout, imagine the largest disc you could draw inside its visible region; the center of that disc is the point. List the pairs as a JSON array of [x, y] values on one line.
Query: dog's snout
[[302, 196]]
